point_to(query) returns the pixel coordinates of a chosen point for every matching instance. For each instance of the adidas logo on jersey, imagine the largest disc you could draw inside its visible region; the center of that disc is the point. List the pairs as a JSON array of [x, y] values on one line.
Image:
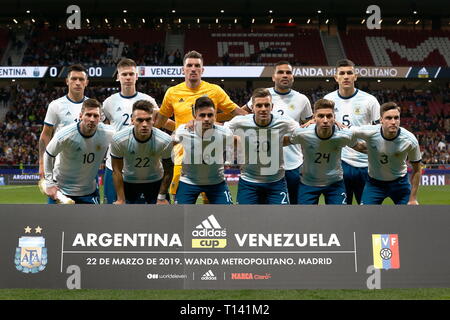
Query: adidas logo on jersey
[[68, 114], [181, 100], [209, 275], [209, 227]]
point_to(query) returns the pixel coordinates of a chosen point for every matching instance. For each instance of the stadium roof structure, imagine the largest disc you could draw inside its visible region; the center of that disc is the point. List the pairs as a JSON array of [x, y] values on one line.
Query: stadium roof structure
[[243, 9]]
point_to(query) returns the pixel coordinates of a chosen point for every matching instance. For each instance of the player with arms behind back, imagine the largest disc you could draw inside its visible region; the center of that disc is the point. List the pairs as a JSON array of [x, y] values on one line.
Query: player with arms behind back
[[118, 110], [179, 99], [353, 107], [63, 111]]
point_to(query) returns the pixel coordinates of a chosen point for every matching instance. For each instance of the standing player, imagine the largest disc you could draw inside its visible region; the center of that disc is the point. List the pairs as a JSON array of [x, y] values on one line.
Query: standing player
[[262, 174], [81, 148], [118, 109], [143, 154], [63, 111], [353, 107], [388, 147], [322, 143], [179, 99], [202, 167], [291, 103]]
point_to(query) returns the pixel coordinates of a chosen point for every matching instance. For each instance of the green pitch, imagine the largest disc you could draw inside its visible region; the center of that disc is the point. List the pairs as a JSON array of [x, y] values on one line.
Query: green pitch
[[31, 194]]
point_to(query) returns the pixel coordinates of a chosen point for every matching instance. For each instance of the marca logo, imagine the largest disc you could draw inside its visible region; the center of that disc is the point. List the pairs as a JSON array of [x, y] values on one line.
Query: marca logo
[[250, 276], [209, 275], [386, 252], [210, 228]]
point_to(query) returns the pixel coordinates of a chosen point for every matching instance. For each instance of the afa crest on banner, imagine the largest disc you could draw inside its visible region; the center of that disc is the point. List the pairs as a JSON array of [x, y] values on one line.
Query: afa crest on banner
[[31, 254]]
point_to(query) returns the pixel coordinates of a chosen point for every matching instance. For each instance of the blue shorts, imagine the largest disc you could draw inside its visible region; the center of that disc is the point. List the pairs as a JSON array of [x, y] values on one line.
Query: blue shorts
[[135, 191], [293, 183], [262, 193], [109, 192], [376, 191], [216, 193], [333, 194], [355, 179], [93, 198]]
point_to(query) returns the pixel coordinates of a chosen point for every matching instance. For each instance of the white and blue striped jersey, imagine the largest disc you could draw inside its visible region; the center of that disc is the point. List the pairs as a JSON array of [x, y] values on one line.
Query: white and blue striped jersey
[[297, 106], [387, 157], [322, 157], [260, 149], [141, 159], [359, 109], [203, 157], [118, 108], [63, 112], [76, 168]]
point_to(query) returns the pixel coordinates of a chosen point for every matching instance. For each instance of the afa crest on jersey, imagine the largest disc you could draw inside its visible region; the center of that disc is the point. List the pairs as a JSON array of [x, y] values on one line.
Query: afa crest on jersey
[[31, 254]]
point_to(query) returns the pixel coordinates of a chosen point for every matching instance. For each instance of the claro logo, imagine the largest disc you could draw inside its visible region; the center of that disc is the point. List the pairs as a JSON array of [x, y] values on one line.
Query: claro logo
[[250, 276], [208, 234]]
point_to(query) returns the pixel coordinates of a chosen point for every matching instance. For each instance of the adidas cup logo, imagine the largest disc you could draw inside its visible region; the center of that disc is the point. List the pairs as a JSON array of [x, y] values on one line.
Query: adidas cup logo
[[209, 227], [209, 275], [209, 234]]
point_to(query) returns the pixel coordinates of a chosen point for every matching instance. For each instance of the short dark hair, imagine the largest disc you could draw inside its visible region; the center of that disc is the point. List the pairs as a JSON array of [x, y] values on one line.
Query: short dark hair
[[260, 93], [125, 62], [345, 63], [203, 102], [143, 105], [323, 104], [76, 67], [389, 106], [282, 62], [192, 55], [91, 103]]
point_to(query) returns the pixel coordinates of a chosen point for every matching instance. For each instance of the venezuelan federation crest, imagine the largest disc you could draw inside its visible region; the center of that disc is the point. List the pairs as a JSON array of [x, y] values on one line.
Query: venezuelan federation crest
[[31, 254]]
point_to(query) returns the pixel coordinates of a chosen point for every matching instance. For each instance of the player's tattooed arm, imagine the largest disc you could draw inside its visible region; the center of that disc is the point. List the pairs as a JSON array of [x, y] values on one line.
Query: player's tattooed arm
[[167, 178], [44, 140]]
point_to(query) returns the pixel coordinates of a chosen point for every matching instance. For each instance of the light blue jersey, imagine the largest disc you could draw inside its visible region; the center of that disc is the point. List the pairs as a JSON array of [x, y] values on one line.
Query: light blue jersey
[[203, 157], [322, 157], [77, 165], [387, 157], [141, 159], [260, 149], [359, 109], [296, 106], [118, 109], [63, 112]]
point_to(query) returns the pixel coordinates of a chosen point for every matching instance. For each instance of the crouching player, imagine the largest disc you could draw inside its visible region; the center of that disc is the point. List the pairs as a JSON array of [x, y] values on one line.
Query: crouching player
[[202, 168], [141, 159], [388, 147], [82, 147], [322, 143]]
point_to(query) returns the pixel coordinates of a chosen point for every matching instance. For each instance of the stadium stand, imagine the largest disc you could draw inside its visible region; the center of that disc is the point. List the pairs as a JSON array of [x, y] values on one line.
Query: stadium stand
[[260, 47], [397, 47], [19, 132], [99, 47]]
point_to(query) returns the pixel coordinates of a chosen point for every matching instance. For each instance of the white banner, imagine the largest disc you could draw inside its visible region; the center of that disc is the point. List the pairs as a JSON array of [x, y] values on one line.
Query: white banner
[[22, 72]]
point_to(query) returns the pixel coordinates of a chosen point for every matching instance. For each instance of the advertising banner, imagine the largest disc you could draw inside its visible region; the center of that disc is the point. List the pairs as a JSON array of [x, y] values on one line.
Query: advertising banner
[[224, 247]]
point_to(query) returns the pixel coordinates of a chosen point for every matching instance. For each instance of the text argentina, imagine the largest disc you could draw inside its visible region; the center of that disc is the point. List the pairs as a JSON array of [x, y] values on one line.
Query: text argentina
[[127, 239]]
